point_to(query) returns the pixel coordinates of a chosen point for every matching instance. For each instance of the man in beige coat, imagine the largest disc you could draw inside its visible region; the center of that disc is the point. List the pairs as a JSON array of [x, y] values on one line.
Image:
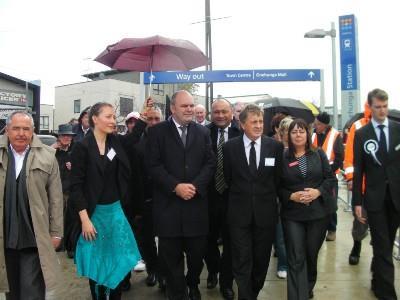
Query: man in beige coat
[[31, 214]]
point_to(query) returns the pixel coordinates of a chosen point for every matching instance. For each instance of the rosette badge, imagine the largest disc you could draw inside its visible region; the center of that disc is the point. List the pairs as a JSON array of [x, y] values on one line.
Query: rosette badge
[[371, 147]]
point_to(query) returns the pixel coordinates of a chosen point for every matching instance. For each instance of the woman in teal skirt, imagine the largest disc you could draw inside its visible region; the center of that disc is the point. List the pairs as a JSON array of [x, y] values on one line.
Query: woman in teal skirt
[[101, 172]]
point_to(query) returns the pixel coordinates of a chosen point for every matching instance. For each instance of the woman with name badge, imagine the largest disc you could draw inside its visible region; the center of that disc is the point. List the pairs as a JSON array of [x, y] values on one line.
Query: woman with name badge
[[306, 193], [106, 250]]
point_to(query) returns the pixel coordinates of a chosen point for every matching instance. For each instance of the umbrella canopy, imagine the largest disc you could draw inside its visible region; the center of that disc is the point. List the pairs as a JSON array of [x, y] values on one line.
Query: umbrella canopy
[[393, 115], [154, 53], [288, 106]]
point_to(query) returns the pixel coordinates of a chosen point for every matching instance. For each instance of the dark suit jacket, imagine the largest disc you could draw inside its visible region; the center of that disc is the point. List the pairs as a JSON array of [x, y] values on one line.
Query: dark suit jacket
[[252, 196], [233, 131], [87, 173], [377, 177], [170, 163], [319, 176]]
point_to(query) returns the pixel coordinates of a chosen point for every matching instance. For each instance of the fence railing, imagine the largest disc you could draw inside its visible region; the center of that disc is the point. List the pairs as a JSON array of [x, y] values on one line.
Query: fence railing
[[347, 198]]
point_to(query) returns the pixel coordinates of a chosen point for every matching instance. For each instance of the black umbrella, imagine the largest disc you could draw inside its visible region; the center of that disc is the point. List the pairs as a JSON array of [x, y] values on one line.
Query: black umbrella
[[287, 106], [393, 115], [353, 119]]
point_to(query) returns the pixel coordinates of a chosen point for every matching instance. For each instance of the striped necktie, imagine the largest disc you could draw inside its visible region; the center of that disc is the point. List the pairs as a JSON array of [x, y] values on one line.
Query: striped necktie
[[220, 184]]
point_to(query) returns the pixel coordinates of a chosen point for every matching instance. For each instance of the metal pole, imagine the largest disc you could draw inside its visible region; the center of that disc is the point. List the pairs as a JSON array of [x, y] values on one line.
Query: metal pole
[[27, 96], [334, 80], [209, 85], [322, 92]]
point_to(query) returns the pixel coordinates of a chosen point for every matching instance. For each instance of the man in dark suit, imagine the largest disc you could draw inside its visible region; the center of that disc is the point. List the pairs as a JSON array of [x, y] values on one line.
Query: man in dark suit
[[377, 156], [222, 129], [252, 164], [181, 163]]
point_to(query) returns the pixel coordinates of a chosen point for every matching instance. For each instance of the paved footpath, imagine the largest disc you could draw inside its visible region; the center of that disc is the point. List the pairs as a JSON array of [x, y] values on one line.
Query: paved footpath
[[336, 278]]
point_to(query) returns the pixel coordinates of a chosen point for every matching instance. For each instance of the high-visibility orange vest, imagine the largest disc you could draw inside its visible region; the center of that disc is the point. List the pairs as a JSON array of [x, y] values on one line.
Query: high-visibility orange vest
[[348, 151], [327, 146]]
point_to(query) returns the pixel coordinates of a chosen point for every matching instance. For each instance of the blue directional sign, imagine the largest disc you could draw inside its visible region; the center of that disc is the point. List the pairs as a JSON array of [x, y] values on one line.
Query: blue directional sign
[[233, 76], [349, 67], [348, 52]]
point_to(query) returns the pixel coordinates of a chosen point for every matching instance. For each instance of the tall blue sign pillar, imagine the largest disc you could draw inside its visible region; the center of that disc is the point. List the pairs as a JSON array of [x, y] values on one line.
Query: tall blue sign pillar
[[349, 67]]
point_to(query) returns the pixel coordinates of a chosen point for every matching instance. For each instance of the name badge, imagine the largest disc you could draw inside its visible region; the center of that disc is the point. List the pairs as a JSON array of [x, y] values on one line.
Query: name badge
[[111, 154], [269, 161], [292, 164]]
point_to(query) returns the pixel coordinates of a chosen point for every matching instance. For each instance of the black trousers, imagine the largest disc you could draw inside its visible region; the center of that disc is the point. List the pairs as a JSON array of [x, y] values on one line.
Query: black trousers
[[72, 227], [251, 252], [24, 274], [303, 241], [333, 217], [145, 238], [172, 252], [383, 225], [100, 292], [219, 262], [149, 248]]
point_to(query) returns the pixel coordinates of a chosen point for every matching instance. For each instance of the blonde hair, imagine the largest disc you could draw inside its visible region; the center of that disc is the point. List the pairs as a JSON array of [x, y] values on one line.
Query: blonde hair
[[284, 125]]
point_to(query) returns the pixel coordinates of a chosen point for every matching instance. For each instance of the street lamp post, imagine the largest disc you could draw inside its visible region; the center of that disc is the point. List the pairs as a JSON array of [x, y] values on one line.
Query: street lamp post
[[320, 33]]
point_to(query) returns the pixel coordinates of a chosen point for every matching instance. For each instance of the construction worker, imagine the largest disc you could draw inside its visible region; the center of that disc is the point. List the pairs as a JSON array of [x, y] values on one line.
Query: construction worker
[[359, 230], [329, 139]]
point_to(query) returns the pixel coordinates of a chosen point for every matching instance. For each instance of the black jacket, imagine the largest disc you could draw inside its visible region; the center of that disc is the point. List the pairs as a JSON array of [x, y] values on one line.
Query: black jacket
[[319, 176], [87, 170], [170, 163], [62, 158], [249, 196], [77, 129], [377, 177]]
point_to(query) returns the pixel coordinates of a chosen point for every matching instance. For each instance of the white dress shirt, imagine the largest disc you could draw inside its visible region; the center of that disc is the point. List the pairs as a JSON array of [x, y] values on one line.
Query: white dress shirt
[[247, 147], [375, 124], [226, 131], [19, 160], [177, 127]]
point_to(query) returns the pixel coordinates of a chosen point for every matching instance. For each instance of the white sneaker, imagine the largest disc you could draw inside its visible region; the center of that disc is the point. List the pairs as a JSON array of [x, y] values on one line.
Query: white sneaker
[[281, 274], [140, 266]]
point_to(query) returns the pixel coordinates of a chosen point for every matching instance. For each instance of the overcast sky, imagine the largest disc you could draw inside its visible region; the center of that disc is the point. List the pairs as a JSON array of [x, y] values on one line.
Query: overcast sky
[[55, 41]]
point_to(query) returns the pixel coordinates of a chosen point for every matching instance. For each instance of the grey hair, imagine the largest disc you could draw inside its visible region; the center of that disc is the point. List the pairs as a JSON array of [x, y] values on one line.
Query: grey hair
[[175, 95], [250, 109], [157, 109], [19, 112]]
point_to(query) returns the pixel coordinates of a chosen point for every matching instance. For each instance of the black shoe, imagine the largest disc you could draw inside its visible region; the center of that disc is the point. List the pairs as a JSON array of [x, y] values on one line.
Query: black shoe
[[70, 253], [212, 280], [125, 285], [354, 260], [227, 293], [310, 294], [162, 284], [354, 256], [151, 279], [194, 293]]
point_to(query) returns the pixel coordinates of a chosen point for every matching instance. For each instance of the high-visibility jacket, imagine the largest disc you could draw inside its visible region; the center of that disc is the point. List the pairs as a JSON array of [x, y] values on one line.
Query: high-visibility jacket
[[327, 146], [348, 152]]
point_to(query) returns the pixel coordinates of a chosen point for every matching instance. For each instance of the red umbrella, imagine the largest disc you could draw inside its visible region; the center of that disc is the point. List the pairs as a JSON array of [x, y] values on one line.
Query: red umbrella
[[154, 53]]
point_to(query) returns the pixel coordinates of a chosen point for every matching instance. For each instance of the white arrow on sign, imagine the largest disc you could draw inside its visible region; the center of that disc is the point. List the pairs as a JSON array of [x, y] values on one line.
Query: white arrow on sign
[[311, 74], [152, 77]]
